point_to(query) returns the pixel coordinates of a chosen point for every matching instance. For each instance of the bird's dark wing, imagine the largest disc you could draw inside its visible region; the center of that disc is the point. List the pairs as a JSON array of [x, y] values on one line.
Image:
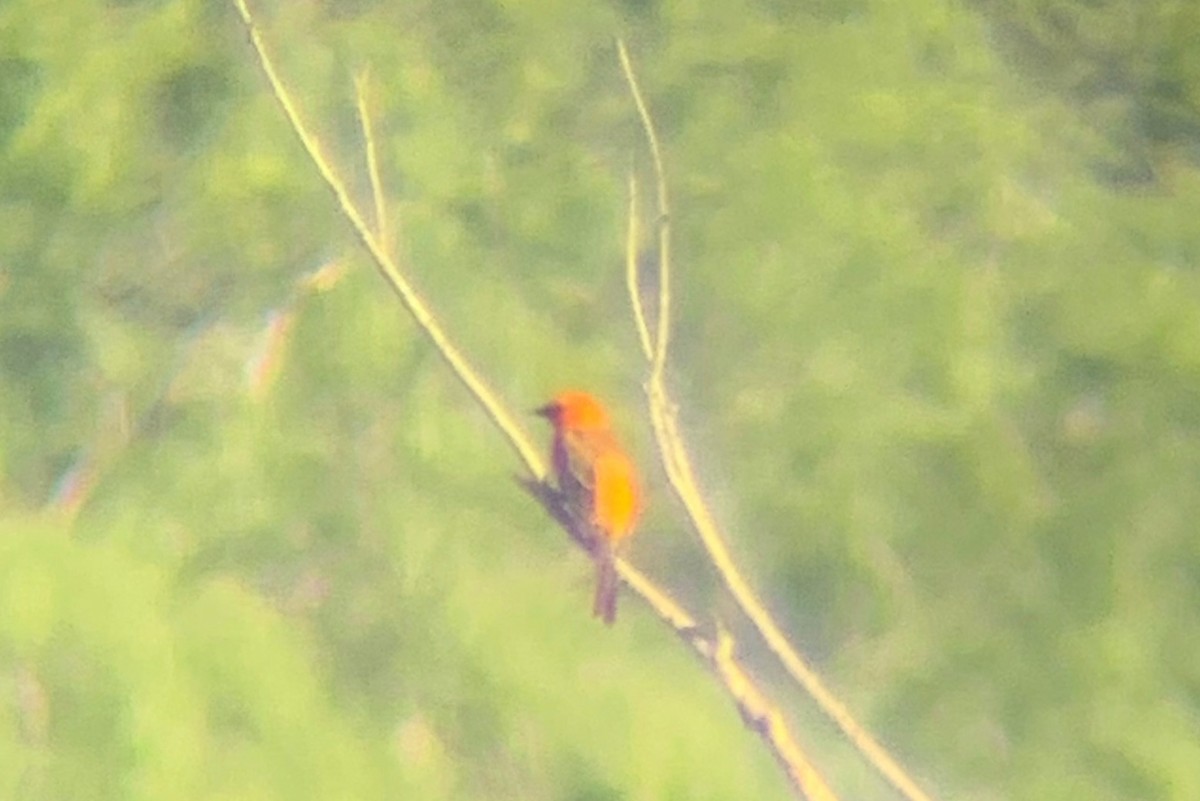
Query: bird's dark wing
[[574, 463]]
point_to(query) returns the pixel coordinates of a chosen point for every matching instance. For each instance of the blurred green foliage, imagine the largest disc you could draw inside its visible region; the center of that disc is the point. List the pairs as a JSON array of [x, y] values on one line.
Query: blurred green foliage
[[938, 350]]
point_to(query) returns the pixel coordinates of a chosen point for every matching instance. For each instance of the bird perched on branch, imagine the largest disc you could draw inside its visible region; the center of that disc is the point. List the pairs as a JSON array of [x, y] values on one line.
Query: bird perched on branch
[[598, 483]]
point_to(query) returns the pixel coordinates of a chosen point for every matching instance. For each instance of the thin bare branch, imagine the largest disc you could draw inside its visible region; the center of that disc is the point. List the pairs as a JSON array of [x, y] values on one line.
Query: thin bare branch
[[362, 85], [662, 333], [632, 273], [681, 476], [388, 268], [762, 717]]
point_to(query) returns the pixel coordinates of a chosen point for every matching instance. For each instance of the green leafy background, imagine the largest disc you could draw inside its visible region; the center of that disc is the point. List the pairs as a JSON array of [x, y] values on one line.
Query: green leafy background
[[938, 355]]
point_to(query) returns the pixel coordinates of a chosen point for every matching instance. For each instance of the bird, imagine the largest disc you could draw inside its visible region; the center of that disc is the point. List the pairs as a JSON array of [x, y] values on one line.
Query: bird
[[598, 482]]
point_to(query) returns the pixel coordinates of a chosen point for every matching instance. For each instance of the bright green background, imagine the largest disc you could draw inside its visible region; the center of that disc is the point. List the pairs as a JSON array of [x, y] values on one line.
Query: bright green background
[[938, 353]]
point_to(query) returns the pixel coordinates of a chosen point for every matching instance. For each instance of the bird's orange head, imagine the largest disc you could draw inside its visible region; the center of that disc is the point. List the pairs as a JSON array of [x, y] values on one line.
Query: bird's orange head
[[574, 410]]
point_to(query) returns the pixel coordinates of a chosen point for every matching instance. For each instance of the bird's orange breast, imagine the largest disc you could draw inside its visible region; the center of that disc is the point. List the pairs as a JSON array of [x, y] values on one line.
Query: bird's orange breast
[[617, 499]]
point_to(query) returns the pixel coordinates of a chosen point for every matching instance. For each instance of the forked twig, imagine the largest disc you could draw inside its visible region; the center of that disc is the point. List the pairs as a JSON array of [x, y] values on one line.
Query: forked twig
[[362, 84], [662, 333], [389, 269], [632, 276], [682, 479]]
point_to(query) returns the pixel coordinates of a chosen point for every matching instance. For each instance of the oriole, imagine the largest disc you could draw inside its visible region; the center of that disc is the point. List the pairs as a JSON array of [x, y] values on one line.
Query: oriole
[[598, 482]]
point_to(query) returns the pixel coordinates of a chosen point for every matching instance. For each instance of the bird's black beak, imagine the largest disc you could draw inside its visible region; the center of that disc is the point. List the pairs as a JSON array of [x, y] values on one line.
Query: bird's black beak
[[549, 411]]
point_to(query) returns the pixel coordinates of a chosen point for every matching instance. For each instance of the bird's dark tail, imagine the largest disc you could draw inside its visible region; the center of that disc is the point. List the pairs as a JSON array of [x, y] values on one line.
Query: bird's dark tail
[[604, 606]]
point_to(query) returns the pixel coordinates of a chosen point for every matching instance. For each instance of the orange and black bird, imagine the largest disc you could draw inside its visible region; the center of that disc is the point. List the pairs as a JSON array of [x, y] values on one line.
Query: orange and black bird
[[599, 483]]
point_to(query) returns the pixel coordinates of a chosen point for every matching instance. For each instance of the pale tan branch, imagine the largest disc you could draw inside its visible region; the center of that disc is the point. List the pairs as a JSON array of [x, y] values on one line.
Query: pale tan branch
[[662, 333], [678, 467], [762, 717], [633, 239], [362, 85], [391, 272]]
